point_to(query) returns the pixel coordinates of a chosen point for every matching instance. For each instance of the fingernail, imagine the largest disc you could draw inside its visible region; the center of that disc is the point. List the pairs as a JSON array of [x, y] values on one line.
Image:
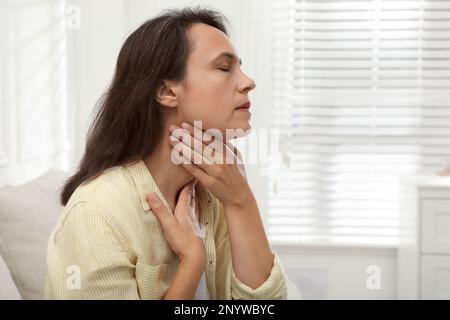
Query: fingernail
[[185, 125], [172, 127]]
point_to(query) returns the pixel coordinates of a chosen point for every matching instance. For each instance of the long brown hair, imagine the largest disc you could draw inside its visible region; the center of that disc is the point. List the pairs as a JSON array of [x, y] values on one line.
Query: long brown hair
[[128, 124]]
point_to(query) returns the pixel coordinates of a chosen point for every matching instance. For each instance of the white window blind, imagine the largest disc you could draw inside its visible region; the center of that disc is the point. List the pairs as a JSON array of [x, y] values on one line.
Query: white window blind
[[361, 94]]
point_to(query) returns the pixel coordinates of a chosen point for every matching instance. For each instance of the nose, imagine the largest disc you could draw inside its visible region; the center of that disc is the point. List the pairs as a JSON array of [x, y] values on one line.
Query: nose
[[248, 84]]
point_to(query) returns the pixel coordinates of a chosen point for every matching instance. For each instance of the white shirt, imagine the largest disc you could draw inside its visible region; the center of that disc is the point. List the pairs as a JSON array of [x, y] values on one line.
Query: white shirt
[[202, 292]]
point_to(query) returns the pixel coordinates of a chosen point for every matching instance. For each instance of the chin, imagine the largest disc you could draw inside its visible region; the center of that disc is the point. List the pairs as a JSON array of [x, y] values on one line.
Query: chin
[[241, 130]]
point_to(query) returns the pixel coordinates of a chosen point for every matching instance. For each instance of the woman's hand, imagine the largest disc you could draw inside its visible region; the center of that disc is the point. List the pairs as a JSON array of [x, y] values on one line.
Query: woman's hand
[[252, 257], [181, 229], [216, 165]]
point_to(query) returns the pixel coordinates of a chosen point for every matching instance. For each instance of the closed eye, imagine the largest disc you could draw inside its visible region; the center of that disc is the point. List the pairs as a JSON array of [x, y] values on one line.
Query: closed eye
[[224, 69]]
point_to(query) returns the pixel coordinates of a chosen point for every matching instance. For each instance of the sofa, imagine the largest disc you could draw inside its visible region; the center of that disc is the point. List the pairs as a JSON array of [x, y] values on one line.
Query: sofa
[[28, 213]]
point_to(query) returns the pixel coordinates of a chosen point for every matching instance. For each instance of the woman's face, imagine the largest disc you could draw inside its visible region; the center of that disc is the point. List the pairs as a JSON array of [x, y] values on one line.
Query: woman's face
[[215, 84]]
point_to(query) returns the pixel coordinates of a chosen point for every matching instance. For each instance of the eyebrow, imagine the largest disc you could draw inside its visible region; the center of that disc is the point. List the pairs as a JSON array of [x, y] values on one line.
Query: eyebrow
[[228, 55]]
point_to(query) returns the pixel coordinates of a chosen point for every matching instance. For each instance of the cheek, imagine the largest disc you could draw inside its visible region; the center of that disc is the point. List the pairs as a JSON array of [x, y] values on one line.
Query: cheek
[[211, 120], [211, 107]]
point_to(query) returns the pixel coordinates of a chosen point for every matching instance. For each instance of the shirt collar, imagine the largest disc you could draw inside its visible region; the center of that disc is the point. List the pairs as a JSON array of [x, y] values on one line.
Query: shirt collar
[[145, 183]]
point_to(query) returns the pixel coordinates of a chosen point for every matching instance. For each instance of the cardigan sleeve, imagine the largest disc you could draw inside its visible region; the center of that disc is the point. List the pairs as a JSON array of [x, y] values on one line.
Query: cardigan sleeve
[[275, 286], [87, 243]]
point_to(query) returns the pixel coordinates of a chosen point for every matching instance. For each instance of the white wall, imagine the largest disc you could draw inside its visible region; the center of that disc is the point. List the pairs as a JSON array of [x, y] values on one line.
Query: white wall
[[95, 48]]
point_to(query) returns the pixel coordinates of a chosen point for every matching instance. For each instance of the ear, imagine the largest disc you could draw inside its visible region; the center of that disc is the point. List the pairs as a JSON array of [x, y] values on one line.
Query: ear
[[168, 94]]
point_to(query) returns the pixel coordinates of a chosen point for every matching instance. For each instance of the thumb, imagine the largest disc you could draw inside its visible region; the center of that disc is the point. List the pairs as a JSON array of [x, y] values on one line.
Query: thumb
[[159, 209]]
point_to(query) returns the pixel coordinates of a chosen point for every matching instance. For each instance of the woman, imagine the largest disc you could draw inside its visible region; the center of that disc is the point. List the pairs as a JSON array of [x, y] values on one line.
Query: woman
[[139, 225]]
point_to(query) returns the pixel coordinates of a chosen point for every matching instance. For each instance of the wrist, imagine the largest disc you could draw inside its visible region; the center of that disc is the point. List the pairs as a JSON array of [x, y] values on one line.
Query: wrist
[[242, 201], [193, 267], [193, 260]]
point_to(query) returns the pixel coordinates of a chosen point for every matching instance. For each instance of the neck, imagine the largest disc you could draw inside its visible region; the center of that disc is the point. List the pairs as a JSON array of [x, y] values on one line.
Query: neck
[[169, 177]]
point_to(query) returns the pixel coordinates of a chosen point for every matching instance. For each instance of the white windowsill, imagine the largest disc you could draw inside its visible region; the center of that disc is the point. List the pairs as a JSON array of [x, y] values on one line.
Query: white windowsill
[[327, 248]]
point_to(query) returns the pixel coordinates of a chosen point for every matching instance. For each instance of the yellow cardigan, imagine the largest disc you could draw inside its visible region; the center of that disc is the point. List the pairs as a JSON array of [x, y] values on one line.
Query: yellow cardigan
[[108, 238]]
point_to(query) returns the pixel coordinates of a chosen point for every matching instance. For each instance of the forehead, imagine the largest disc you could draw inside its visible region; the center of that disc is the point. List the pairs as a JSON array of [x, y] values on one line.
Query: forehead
[[208, 42]]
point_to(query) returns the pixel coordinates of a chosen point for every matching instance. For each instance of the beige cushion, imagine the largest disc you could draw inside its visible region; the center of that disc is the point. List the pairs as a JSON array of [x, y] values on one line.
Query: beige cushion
[[28, 213]]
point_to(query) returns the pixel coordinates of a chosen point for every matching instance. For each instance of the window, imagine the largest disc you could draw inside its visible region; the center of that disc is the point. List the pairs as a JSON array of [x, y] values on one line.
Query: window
[[361, 94], [33, 79]]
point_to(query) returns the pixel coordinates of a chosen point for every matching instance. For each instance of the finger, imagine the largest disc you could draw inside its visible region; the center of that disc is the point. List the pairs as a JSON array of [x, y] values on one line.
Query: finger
[[238, 157], [211, 153], [183, 201], [198, 131], [232, 148], [189, 153], [213, 140], [196, 171], [193, 202], [184, 150], [191, 141], [193, 214], [233, 153], [201, 137], [159, 209]]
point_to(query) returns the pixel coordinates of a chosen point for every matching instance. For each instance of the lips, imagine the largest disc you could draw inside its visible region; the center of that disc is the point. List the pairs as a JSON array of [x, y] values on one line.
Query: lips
[[245, 105]]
